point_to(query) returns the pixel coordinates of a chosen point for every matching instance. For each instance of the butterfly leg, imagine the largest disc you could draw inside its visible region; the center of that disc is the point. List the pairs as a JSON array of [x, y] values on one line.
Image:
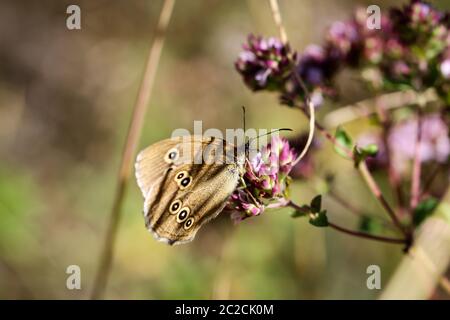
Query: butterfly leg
[[255, 202]]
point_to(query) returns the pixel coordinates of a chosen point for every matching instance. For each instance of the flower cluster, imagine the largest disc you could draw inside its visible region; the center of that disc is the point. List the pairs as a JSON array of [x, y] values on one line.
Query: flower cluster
[[316, 68], [352, 42], [435, 141], [434, 147], [411, 49], [266, 181], [265, 63]]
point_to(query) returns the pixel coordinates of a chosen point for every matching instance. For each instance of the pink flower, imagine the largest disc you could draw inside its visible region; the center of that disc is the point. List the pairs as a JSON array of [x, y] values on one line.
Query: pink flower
[[265, 63], [266, 180], [445, 68], [435, 143]]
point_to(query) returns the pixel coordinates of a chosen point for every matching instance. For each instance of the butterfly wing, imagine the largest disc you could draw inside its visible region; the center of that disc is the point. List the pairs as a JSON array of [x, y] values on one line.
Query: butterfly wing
[[182, 193]]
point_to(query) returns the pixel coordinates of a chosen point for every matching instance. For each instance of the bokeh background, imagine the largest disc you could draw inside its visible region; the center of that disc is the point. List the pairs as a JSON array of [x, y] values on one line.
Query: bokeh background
[[65, 103]]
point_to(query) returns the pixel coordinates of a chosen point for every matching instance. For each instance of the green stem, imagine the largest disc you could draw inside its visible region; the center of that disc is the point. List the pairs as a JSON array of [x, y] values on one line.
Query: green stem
[[415, 184], [375, 189], [358, 233], [367, 235]]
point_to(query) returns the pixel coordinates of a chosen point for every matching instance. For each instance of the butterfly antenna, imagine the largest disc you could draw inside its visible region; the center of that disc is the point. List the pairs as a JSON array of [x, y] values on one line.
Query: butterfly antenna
[[266, 134], [246, 146], [243, 117], [273, 131]]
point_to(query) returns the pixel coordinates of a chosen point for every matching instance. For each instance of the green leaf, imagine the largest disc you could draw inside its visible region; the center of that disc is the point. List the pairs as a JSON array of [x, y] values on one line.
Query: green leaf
[[316, 204], [424, 209], [370, 225], [301, 212], [370, 150], [343, 141], [361, 154], [319, 219]]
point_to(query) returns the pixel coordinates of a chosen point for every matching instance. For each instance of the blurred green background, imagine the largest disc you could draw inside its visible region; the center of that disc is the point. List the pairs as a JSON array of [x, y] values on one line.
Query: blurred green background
[[65, 104]]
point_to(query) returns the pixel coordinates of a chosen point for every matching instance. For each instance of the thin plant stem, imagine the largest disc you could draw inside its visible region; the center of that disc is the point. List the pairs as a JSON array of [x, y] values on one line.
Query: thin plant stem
[[426, 186], [445, 284], [429, 182], [357, 233], [351, 207], [354, 210], [367, 235], [376, 191], [278, 21], [392, 174], [312, 122], [131, 143], [344, 203], [415, 184]]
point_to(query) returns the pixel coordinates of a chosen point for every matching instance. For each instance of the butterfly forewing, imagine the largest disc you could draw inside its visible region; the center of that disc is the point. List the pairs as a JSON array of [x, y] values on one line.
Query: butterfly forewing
[[182, 193]]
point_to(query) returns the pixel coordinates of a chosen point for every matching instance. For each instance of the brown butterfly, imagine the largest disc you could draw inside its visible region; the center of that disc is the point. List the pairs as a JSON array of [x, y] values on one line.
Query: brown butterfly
[[181, 193]]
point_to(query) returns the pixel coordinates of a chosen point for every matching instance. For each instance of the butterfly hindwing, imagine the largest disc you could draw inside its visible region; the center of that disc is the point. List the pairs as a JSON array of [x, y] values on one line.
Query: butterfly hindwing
[[178, 214]]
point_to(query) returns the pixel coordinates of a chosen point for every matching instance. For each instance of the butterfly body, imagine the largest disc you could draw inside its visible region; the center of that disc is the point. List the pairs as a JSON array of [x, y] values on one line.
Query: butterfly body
[[186, 182]]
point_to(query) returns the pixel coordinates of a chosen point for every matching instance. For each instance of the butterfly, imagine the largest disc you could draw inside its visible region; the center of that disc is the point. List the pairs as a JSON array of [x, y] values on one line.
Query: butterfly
[[186, 182]]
